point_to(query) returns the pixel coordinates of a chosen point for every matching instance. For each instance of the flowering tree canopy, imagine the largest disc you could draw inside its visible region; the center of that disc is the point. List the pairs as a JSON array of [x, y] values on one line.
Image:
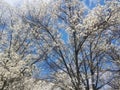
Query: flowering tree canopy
[[77, 47]]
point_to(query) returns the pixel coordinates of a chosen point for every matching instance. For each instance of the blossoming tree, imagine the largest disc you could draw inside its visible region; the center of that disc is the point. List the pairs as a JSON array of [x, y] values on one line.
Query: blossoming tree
[[75, 43]]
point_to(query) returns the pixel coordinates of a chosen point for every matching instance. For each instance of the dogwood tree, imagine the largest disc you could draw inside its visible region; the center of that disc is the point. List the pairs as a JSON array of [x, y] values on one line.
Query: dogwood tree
[[15, 58], [68, 37], [79, 39]]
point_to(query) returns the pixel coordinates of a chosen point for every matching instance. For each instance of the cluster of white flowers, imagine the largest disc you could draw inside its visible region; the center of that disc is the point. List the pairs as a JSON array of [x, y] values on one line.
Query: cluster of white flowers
[[63, 81], [10, 66]]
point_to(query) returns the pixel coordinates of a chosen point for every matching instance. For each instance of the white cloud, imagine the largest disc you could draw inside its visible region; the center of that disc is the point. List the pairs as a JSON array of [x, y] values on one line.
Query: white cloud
[[13, 2], [18, 2]]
